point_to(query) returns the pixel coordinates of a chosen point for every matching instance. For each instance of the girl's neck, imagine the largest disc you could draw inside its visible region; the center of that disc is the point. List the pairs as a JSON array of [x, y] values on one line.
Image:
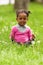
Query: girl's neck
[[21, 25]]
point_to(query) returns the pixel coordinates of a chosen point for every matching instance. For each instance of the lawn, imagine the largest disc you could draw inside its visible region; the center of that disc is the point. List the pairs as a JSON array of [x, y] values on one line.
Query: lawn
[[14, 54]]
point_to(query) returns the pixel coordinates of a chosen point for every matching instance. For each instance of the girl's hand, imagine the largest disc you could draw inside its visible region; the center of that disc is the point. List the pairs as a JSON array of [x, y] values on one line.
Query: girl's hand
[[33, 36]]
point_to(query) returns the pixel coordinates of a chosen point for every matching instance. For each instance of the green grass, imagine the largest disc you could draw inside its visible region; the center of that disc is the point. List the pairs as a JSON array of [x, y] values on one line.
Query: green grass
[[14, 54]]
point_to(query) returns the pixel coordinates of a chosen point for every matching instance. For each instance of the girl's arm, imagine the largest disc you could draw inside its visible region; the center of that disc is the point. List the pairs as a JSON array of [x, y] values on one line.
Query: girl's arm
[[31, 35], [12, 34]]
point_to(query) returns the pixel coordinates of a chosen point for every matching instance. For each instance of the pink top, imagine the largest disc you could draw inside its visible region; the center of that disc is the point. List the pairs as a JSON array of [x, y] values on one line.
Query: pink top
[[19, 36]]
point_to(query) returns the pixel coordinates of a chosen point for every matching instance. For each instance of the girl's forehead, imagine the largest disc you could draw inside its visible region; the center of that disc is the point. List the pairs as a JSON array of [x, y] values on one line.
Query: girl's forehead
[[22, 14]]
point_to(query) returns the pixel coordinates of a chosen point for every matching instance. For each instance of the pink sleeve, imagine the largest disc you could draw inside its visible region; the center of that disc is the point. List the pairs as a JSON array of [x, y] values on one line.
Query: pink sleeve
[[12, 34], [30, 34]]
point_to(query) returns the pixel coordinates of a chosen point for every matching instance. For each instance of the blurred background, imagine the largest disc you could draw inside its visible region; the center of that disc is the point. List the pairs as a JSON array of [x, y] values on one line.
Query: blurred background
[[19, 4], [13, 1]]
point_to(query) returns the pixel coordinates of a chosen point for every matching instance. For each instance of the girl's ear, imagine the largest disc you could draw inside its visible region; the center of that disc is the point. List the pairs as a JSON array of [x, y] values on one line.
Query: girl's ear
[[17, 19]]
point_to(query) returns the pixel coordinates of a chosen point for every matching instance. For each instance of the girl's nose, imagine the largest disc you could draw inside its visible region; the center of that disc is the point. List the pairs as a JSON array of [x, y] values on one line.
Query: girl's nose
[[22, 19]]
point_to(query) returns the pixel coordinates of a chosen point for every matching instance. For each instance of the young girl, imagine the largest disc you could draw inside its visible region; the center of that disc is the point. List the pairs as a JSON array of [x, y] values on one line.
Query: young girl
[[21, 33]]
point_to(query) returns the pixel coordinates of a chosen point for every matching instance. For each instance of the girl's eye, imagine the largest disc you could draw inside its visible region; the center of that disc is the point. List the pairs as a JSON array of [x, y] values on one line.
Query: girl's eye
[[20, 18], [24, 18]]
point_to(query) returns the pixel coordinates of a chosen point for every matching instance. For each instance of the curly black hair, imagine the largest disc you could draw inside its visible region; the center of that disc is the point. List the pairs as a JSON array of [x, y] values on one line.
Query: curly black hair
[[22, 11]]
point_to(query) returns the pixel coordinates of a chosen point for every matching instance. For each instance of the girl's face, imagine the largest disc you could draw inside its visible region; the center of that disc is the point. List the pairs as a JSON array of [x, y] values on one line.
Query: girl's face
[[22, 18]]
